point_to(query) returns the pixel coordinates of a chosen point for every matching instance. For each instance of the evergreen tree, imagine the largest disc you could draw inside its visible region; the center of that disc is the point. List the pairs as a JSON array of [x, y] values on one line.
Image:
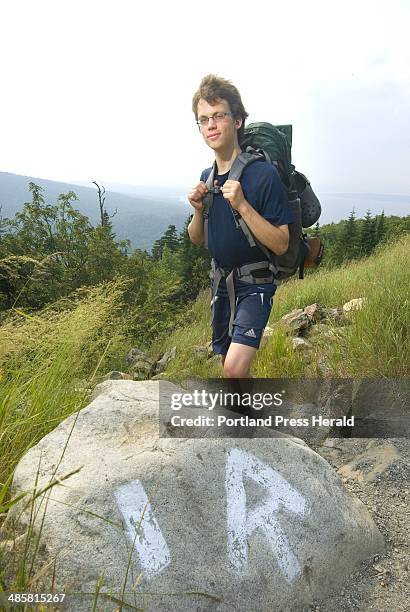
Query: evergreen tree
[[169, 239], [157, 249], [380, 227], [316, 231], [368, 235], [346, 246], [350, 237]]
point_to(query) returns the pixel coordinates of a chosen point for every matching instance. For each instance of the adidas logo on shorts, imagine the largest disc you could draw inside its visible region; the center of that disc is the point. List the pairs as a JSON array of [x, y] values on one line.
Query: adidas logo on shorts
[[250, 333]]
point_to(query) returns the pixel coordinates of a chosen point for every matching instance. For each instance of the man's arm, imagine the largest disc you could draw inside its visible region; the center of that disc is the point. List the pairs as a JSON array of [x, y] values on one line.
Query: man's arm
[[196, 228], [275, 237]]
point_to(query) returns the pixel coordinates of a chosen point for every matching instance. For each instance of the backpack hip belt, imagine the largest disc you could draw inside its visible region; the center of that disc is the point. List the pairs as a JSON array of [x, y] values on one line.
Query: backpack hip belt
[[243, 273]]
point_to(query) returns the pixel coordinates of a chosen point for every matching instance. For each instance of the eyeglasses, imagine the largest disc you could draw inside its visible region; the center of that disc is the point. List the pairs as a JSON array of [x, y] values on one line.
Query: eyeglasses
[[217, 117]]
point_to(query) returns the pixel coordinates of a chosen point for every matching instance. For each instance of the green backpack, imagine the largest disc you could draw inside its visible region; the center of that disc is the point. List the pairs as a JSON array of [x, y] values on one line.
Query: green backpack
[[273, 143]]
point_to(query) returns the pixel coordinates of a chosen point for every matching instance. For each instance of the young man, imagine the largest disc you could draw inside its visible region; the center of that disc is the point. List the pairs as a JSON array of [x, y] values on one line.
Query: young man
[[261, 200]]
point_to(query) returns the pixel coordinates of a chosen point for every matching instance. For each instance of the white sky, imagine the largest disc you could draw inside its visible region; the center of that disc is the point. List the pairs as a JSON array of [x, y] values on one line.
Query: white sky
[[102, 90]]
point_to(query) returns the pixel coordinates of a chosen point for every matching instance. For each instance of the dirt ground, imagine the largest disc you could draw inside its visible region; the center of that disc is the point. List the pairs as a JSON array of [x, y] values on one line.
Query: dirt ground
[[377, 472]]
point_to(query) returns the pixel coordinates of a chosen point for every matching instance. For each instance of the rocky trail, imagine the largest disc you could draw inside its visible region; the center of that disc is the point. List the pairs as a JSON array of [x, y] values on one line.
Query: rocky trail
[[377, 472]]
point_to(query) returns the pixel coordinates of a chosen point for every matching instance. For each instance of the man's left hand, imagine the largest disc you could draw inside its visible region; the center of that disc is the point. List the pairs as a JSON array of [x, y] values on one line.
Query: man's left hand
[[232, 191]]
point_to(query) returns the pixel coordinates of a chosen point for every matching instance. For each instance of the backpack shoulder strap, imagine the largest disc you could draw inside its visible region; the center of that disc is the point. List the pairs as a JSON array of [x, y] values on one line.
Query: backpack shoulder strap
[[208, 201], [243, 160], [209, 181]]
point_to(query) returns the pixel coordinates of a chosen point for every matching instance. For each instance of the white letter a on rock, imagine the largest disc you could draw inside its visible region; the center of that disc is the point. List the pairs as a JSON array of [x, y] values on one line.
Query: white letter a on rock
[[241, 524]]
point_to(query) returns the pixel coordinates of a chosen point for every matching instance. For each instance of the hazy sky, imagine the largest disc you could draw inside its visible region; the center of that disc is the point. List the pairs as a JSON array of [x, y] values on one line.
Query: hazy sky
[[102, 90]]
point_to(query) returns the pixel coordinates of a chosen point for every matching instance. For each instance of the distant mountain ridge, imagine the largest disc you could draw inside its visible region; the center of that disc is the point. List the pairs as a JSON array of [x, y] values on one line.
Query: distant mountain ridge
[[144, 213], [140, 219], [156, 192]]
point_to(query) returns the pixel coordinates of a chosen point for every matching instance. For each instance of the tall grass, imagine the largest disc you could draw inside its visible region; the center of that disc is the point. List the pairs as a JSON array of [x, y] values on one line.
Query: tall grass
[[375, 344], [49, 361]]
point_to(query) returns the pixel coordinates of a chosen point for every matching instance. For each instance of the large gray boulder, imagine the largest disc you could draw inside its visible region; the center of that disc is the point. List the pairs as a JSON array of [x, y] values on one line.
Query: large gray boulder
[[186, 524]]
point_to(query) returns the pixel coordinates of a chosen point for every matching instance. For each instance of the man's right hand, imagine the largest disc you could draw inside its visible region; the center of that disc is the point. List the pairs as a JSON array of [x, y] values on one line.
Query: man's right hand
[[195, 196]]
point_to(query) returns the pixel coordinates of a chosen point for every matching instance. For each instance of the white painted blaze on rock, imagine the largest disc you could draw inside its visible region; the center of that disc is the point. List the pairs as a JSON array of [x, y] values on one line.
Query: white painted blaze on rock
[[242, 524], [142, 528]]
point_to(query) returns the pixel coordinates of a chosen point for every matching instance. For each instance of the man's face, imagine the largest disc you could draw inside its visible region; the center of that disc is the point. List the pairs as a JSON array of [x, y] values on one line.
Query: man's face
[[218, 133]]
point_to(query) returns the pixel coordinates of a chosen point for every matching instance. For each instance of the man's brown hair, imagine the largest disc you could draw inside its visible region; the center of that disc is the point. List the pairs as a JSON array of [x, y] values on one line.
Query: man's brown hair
[[214, 88]]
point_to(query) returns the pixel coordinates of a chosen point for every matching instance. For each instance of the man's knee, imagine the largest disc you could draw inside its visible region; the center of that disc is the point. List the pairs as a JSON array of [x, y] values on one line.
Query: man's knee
[[235, 370], [238, 361]]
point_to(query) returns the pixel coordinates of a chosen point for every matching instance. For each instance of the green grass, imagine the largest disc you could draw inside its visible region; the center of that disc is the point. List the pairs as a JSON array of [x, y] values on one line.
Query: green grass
[[48, 363], [375, 344]]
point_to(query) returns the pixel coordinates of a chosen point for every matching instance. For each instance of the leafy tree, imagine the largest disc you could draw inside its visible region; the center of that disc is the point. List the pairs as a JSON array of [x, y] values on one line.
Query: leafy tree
[[49, 250], [16, 272], [43, 251], [104, 258]]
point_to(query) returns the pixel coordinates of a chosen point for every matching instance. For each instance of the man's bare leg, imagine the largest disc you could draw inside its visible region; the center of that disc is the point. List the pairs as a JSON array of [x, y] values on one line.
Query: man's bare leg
[[237, 361]]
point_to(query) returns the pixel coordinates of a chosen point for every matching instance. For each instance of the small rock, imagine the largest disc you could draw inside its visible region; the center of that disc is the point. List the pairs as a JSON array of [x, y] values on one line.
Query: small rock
[[332, 443], [114, 375], [267, 332], [300, 344], [161, 365], [296, 321], [335, 315], [160, 376], [133, 355], [203, 352], [142, 367], [314, 312], [356, 304], [318, 328], [330, 335]]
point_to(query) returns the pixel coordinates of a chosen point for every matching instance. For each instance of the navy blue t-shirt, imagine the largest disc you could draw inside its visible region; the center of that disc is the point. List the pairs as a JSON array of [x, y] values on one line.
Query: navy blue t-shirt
[[263, 189]]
